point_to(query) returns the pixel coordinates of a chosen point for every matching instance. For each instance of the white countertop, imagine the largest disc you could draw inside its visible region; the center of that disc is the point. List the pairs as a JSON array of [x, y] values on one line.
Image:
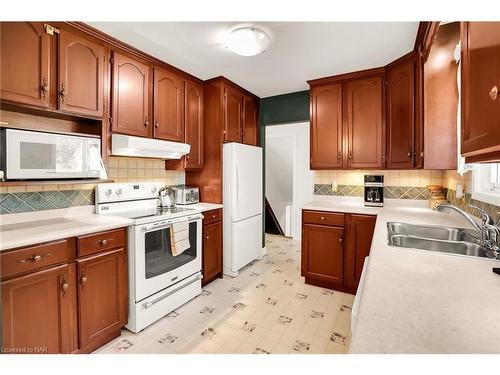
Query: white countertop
[[24, 229], [418, 301], [30, 228]]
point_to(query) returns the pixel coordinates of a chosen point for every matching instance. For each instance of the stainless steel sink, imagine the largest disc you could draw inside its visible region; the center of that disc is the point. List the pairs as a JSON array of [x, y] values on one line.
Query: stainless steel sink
[[443, 246], [430, 232]]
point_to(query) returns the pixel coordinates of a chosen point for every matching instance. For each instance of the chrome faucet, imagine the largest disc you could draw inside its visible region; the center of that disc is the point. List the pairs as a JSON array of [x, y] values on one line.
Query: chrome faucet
[[489, 232]]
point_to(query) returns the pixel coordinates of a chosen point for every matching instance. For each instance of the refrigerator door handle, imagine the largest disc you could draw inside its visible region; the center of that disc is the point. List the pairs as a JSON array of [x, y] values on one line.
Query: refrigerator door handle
[[237, 184]]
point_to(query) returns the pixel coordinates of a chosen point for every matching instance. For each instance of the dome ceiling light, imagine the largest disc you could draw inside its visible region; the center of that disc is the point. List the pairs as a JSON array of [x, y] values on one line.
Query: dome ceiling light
[[246, 40]]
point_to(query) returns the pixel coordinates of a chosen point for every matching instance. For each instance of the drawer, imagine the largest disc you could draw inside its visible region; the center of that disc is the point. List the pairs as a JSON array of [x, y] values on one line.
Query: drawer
[[95, 243], [34, 258], [212, 216], [323, 218]]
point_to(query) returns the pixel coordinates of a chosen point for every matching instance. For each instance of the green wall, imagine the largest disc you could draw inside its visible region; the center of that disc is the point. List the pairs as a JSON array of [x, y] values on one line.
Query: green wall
[[276, 110]]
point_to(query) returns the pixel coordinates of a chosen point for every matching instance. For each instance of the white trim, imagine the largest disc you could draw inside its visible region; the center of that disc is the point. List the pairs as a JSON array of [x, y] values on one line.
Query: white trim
[[478, 187]]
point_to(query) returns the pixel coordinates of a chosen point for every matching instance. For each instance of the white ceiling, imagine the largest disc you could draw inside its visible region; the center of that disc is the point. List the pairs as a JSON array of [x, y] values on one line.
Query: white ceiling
[[299, 51]]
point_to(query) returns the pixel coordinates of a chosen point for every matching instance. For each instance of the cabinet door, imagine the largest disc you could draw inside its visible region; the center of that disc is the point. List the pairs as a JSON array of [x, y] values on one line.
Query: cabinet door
[[233, 106], [25, 63], [130, 111], [365, 132], [326, 127], [102, 295], [323, 253], [400, 97], [168, 106], [81, 75], [39, 312], [358, 242], [481, 89], [212, 251], [250, 121], [194, 124]]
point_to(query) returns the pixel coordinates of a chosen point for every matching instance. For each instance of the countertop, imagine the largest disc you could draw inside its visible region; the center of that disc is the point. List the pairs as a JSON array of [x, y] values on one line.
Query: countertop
[[418, 301], [24, 229]]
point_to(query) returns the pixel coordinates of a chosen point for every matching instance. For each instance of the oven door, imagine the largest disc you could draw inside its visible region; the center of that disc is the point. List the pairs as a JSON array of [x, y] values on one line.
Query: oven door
[[35, 155], [156, 267]]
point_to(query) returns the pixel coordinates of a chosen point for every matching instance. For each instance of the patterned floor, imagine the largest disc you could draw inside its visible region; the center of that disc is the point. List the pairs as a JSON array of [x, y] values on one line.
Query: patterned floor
[[267, 309]]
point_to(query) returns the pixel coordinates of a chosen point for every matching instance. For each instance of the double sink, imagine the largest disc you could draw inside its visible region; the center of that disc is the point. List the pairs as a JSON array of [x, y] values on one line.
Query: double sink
[[433, 238]]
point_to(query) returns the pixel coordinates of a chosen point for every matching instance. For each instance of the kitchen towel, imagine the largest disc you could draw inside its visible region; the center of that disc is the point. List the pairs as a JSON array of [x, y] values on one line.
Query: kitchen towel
[[179, 237]]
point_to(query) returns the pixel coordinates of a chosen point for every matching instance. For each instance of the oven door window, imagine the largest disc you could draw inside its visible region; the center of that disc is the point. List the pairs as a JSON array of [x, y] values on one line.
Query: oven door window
[[159, 258]]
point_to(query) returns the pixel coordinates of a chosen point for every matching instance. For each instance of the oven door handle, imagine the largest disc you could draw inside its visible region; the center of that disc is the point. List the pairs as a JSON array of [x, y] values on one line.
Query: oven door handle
[[166, 224], [147, 305]]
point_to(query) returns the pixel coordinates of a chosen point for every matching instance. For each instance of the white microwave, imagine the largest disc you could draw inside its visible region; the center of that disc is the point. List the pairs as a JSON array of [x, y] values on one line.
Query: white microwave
[[29, 155]]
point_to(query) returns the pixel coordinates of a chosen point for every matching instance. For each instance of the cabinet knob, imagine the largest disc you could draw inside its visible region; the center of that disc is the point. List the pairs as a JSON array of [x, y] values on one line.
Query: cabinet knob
[[146, 123], [83, 279], [44, 87], [341, 239], [350, 155], [62, 93], [104, 242], [65, 286], [37, 258], [207, 237], [157, 125], [322, 218], [494, 93], [340, 155]]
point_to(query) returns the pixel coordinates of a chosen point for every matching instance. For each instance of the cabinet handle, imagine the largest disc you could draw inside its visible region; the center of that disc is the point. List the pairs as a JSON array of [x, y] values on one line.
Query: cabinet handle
[[213, 216], [340, 155], [350, 155], [494, 93], [34, 258], [187, 156], [62, 93], [83, 279], [64, 287], [409, 154], [44, 87]]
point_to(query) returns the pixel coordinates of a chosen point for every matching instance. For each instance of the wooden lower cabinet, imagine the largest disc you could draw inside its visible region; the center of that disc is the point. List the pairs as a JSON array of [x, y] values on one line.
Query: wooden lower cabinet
[[359, 233], [212, 246], [102, 296], [323, 254], [38, 312], [67, 304], [333, 255]]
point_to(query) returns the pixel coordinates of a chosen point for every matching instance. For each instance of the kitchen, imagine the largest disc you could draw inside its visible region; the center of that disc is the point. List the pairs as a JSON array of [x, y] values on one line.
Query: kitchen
[[153, 204]]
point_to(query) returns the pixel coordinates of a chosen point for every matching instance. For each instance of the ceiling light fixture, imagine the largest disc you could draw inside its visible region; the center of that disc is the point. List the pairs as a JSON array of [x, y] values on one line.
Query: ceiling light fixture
[[247, 40]]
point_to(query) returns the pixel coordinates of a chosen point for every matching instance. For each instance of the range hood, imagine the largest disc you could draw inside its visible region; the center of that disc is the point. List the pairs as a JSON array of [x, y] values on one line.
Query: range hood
[[126, 145]]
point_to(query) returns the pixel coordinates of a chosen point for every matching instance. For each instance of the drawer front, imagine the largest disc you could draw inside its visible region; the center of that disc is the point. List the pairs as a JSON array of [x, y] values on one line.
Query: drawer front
[[212, 216], [95, 243], [323, 218], [33, 258]]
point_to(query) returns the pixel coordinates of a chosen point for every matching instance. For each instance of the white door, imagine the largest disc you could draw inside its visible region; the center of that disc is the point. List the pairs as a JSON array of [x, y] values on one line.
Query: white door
[[243, 172]]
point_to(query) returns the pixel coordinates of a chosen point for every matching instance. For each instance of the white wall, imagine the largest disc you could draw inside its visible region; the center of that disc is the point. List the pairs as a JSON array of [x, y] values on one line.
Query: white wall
[[288, 178]]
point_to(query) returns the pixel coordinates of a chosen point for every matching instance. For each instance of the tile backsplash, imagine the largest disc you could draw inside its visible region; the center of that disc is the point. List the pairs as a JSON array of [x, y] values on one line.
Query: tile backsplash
[[26, 198], [398, 184]]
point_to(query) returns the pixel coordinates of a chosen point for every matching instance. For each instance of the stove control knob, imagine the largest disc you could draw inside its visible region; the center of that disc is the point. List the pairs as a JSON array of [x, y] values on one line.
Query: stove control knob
[[119, 191], [154, 189], [108, 192]]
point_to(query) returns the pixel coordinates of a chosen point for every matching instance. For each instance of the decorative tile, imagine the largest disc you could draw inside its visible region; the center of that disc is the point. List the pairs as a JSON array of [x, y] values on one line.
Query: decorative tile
[[205, 292], [399, 192], [288, 282], [207, 310], [260, 351], [272, 301], [234, 290], [173, 314], [248, 327], [261, 286], [239, 306], [122, 345], [301, 296], [345, 308], [300, 346], [338, 338], [317, 314], [209, 332], [167, 339], [285, 320]]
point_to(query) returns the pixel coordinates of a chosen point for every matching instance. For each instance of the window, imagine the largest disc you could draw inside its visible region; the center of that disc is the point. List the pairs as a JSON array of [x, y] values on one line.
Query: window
[[486, 183]]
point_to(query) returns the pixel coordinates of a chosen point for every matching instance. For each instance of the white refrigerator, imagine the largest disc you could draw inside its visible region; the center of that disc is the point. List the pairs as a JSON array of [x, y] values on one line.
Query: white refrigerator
[[242, 190]]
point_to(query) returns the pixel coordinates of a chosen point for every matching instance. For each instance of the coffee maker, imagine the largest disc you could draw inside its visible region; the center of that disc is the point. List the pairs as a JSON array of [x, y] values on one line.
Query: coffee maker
[[374, 190]]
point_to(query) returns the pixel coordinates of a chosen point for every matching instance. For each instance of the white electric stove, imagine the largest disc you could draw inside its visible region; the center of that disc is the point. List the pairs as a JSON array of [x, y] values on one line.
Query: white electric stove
[[159, 282]]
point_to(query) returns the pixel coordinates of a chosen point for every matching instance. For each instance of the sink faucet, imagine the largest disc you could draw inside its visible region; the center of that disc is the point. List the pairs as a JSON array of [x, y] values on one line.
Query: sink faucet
[[490, 233]]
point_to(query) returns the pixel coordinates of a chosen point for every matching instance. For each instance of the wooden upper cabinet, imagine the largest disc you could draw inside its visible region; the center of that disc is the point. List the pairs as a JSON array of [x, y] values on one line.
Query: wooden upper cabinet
[[364, 124], [250, 121], [102, 296], [39, 311], [194, 124], [359, 233], [168, 106], [232, 112], [130, 96], [25, 63], [81, 75], [481, 90], [326, 126], [400, 120]]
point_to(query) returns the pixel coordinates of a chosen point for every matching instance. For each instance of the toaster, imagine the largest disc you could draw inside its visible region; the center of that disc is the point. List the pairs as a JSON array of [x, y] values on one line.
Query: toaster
[[187, 195]]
